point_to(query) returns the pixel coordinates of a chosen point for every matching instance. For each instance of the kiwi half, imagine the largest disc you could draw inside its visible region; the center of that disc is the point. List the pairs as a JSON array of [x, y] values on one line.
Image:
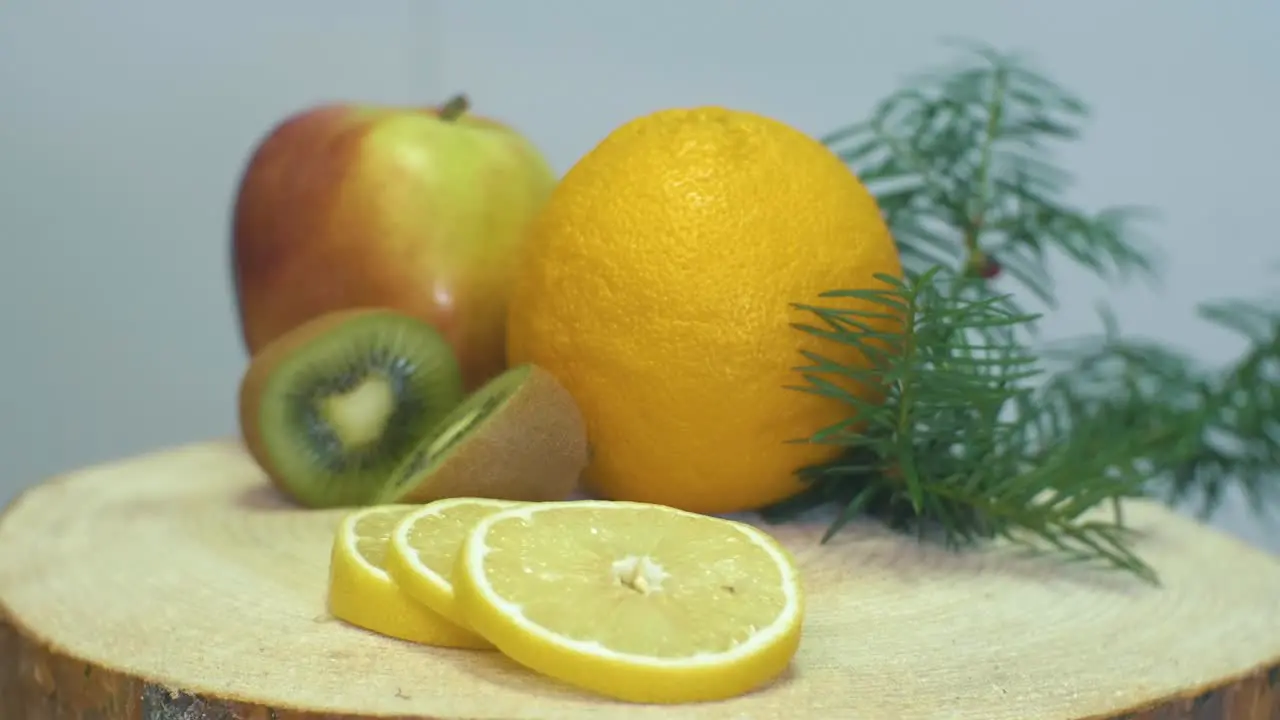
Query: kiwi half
[[518, 437], [332, 407]]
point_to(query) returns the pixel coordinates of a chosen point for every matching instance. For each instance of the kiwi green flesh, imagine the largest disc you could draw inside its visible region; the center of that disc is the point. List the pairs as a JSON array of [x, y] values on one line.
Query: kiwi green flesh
[[326, 464], [451, 432]]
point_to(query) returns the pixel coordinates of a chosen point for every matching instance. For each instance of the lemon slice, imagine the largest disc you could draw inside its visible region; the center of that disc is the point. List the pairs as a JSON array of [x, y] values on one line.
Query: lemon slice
[[633, 601], [363, 594], [424, 546]]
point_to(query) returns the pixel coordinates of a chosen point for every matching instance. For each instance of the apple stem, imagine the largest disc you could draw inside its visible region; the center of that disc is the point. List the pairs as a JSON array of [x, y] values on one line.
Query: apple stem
[[453, 109]]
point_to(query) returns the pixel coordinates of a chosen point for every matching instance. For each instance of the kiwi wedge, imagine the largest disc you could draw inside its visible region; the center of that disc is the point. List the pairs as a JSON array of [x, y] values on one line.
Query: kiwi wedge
[[330, 409], [518, 437]]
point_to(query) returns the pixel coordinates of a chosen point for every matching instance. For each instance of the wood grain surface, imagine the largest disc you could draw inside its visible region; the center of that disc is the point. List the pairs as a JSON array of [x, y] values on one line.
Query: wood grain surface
[[178, 586]]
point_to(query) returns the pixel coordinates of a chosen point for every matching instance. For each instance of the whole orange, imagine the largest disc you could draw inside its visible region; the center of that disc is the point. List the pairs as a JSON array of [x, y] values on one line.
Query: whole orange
[[657, 288]]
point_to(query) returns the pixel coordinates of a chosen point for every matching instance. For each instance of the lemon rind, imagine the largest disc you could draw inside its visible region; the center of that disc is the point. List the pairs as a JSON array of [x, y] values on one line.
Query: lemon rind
[[386, 609], [420, 582]]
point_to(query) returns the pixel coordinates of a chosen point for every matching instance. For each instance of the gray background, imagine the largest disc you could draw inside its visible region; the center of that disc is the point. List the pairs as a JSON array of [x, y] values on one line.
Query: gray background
[[123, 127]]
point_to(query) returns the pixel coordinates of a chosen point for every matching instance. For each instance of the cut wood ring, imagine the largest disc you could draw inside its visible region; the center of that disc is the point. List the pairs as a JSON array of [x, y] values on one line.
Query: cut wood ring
[[179, 585]]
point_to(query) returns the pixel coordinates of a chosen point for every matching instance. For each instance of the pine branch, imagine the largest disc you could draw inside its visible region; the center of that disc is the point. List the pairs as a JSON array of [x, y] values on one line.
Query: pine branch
[[1202, 429], [943, 450], [972, 439], [961, 163]]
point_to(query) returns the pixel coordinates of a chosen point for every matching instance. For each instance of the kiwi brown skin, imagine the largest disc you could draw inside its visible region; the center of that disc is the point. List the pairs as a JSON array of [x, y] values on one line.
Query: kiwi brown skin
[[530, 446], [323, 489]]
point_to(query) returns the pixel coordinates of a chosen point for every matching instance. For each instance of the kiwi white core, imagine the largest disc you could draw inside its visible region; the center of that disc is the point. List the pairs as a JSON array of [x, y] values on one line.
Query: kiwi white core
[[360, 415]]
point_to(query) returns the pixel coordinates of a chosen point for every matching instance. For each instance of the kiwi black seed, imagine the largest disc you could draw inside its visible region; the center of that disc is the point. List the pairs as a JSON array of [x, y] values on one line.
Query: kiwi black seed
[[519, 437], [331, 408]]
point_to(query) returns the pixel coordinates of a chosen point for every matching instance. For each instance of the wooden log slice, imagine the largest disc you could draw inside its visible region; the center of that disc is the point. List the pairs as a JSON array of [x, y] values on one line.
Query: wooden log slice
[[177, 586]]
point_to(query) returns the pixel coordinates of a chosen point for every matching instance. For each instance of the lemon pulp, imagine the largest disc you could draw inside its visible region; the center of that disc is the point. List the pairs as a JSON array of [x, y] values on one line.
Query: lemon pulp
[[634, 601]]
